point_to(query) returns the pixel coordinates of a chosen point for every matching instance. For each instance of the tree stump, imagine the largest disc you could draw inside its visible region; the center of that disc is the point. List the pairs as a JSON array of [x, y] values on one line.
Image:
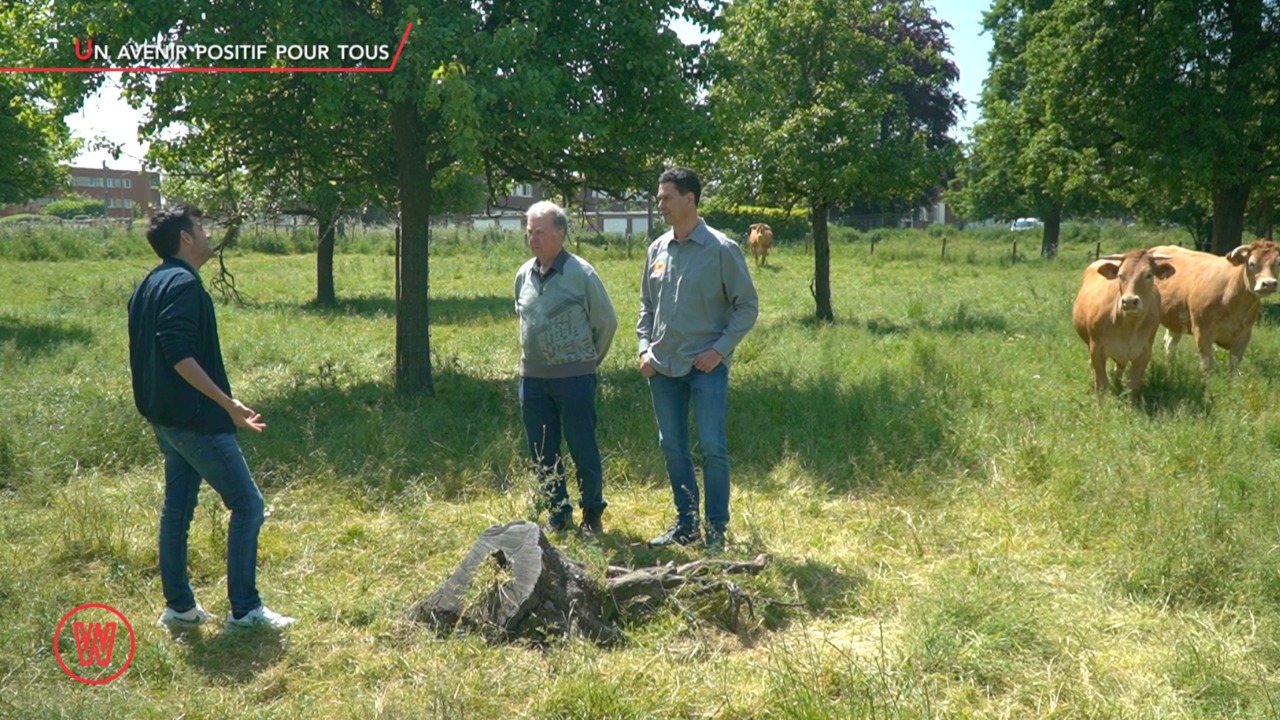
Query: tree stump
[[515, 583]]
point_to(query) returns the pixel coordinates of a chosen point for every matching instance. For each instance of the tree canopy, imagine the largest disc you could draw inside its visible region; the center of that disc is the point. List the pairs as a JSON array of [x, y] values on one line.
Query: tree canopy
[[563, 91], [34, 139], [1164, 108], [830, 102]]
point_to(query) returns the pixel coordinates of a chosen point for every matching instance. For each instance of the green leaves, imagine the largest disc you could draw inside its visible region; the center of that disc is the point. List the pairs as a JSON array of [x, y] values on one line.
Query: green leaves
[[824, 103], [839, 102], [34, 140], [1157, 106]]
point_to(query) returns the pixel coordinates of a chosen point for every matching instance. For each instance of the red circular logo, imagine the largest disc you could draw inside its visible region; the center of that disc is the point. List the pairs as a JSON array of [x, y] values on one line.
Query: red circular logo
[[94, 643]]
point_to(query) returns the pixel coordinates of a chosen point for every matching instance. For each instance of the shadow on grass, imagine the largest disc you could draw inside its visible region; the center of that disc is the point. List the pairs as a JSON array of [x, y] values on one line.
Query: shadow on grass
[[1270, 314], [33, 338], [959, 320], [446, 310], [821, 587], [237, 657], [848, 435], [1172, 385], [865, 434], [364, 436]]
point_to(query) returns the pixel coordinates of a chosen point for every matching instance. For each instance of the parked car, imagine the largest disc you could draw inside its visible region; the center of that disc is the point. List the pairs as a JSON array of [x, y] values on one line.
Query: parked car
[[1025, 224]]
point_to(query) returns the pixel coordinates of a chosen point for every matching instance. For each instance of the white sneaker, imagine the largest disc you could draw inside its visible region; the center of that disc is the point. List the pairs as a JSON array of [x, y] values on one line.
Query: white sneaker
[[179, 620], [261, 616]]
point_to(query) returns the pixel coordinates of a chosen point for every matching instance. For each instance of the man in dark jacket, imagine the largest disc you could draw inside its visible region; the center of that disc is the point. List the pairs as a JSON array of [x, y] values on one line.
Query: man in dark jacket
[[180, 385]]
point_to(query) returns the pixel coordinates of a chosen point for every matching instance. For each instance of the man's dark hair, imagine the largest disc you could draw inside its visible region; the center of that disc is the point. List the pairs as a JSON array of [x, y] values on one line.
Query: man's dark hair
[[685, 180], [165, 231]]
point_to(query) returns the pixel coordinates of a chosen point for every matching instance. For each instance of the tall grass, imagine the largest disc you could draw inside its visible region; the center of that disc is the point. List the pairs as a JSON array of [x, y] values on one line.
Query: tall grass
[[956, 527]]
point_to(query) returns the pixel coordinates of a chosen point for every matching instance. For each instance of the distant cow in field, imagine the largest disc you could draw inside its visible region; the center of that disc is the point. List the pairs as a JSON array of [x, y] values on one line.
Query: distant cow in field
[[1117, 312], [1216, 299], [760, 239]]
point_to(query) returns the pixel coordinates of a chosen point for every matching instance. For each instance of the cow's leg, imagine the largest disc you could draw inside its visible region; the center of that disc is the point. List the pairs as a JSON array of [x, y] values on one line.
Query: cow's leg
[[1204, 343], [1138, 371], [1171, 339], [1098, 361], [1238, 348]]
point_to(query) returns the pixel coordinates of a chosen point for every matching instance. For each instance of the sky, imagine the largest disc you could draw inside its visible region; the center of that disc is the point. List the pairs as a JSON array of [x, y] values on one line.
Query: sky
[[106, 115]]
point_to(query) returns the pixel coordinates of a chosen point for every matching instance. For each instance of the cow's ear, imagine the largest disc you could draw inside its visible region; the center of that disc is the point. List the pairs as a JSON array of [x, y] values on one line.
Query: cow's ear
[[1109, 270], [1239, 255], [1164, 271]]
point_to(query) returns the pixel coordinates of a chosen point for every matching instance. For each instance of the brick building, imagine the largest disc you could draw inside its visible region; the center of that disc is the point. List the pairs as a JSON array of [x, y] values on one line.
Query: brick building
[[126, 193], [121, 190]]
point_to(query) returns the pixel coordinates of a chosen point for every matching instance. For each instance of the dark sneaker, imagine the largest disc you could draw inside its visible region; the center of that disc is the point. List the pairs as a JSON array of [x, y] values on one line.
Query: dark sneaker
[[677, 535], [591, 524], [715, 541], [560, 520]]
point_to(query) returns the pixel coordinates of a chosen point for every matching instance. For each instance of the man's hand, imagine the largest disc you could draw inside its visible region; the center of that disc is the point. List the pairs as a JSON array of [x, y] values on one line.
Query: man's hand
[[242, 416], [646, 369], [245, 417], [707, 360]]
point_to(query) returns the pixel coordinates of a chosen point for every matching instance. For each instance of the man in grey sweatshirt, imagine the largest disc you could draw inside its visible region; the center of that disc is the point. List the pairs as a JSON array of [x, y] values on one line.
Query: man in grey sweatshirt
[[567, 323]]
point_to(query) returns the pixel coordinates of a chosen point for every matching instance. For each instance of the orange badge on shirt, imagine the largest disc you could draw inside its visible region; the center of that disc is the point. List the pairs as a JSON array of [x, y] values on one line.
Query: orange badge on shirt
[[658, 266]]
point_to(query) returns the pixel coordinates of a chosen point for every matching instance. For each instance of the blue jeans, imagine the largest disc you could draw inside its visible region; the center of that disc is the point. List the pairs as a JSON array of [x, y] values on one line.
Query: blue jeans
[[709, 394], [556, 409], [189, 457]]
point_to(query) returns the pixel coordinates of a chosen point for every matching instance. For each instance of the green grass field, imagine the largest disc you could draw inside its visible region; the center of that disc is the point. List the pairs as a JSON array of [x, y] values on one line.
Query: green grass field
[[956, 527]]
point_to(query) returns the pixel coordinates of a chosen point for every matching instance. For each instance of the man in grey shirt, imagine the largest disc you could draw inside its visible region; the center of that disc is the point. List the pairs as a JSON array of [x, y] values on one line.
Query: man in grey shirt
[[697, 302], [567, 323]]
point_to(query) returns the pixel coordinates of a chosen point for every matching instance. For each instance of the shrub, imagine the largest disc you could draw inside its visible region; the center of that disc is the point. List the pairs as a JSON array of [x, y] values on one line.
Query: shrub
[[68, 208], [1074, 232], [737, 220], [20, 218], [841, 234]]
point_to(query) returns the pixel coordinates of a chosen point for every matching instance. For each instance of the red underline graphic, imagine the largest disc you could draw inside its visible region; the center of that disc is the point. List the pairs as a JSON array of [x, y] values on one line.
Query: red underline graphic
[[387, 69]]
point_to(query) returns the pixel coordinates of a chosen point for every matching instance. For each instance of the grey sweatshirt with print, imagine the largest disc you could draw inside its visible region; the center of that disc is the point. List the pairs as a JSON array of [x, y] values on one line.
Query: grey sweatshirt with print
[[567, 322]]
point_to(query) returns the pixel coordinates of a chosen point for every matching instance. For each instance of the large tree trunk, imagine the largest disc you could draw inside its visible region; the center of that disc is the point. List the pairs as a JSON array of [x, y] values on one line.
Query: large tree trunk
[[325, 294], [1052, 232], [821, 262], [413, 332], [1228, 217], [1263, 212]]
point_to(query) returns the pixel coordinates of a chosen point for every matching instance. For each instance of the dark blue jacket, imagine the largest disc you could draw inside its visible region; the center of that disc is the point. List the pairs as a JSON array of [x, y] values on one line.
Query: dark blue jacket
[[170, 319]]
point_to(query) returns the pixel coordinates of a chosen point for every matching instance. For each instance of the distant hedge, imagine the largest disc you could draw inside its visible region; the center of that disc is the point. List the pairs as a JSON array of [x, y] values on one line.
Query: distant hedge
[[737, 220], [69, 208]]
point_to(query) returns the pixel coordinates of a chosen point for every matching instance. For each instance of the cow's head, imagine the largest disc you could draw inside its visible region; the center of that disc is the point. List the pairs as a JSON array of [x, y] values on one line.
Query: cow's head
[[1259, 259], [1137, 272]]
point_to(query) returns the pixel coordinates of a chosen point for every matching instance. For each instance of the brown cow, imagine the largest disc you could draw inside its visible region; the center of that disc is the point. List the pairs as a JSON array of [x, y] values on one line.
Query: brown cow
[[1216, 299], [1117, 312], [760, 239]]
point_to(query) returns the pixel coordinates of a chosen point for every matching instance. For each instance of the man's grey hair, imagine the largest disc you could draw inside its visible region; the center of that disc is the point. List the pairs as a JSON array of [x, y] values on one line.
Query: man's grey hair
[[543, 208]]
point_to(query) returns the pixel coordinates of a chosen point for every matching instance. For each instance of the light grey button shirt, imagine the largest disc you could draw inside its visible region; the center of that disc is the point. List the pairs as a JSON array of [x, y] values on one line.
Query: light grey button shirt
[[694, 295]]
